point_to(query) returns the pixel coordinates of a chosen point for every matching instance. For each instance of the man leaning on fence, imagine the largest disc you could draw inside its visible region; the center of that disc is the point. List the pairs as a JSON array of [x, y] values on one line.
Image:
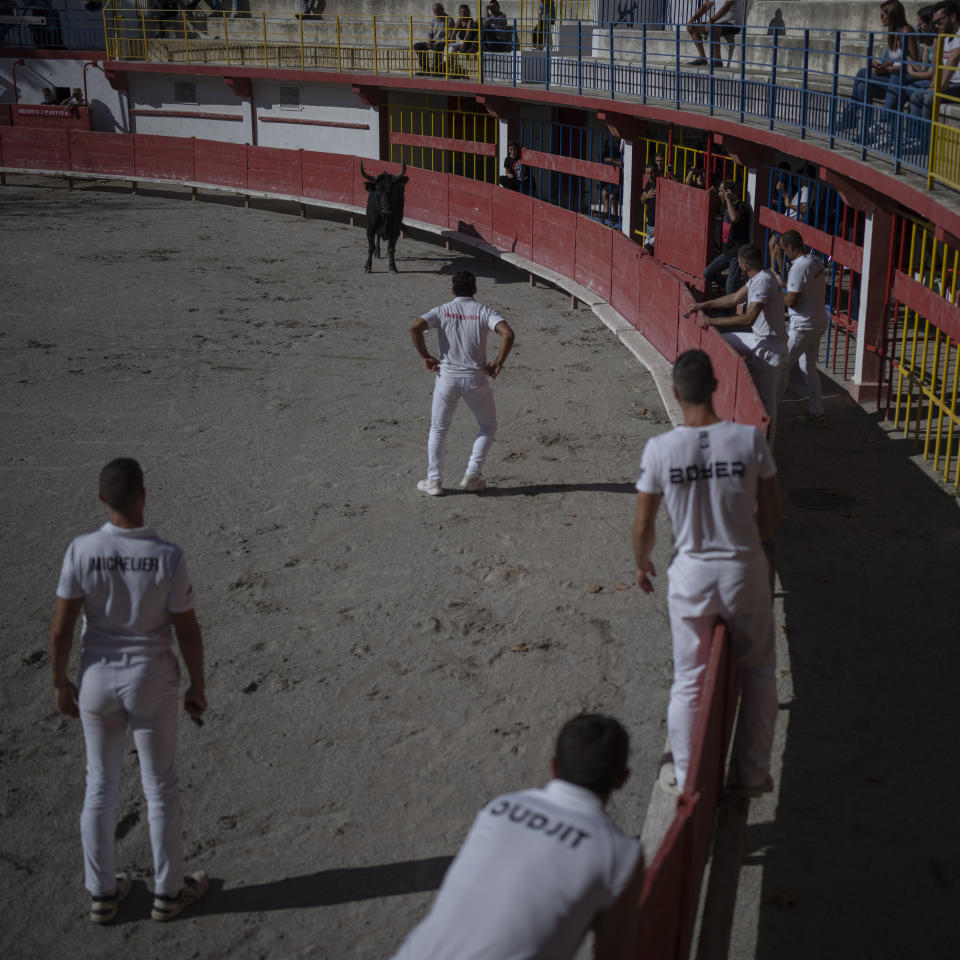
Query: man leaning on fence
[[436, 41], [719, 483]]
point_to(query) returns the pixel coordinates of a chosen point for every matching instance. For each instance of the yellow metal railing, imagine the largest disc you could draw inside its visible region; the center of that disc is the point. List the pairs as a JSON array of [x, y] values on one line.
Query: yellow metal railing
[[462, 125], [929, 358], [944, 157]]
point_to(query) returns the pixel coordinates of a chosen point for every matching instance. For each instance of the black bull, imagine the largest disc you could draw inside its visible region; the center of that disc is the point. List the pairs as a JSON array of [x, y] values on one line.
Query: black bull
[[384, 213]]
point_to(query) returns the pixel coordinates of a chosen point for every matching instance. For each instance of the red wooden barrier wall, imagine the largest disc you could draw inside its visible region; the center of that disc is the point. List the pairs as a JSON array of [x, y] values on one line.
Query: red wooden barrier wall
[[35, 149], [6, 114], [470, 206], [274, 170], [625, 278], [52, 117], [224, 164], [104, 153], [691, 249], [594, 256], [512, 222], [165, 158], [659, 306], [555, 238], [331, 177]]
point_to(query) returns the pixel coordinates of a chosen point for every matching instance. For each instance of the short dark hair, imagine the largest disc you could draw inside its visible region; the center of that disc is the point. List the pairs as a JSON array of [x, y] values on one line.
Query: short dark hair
[[592, 752], [693, 377], [791, 238], [514, 143], [925, 14], [750, 255], [731, 185], [464, 283], [121, 483], [948, 7]]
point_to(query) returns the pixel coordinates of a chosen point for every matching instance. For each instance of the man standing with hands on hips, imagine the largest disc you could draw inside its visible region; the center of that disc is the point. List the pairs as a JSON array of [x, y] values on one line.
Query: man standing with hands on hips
[[462, 370], [134, 592]]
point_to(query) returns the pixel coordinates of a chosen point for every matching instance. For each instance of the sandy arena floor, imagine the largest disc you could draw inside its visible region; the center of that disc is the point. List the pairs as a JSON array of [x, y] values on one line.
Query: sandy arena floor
[[380, 663]]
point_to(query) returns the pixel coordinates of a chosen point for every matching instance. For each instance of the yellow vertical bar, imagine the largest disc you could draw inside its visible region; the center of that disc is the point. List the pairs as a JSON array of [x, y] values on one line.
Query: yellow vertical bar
[[263, 17], [300, 18], [226, 36], [186, 38], [410, 43], [953, 419], [339, 59], [935, 86]]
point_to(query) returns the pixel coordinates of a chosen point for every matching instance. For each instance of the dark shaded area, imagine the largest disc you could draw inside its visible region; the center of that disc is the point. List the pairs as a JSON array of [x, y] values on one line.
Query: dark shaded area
[[863, 858]]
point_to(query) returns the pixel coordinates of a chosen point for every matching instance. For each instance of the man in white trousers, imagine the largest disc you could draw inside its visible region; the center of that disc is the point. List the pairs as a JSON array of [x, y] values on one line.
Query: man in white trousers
[[134, 592], [539, 868], [462, 370], [765, 344], [805, 300], [719, 483]]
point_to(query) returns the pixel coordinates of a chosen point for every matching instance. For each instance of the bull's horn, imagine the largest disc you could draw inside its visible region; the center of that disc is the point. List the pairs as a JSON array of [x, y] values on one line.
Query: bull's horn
[[366, 176], [402, 172]]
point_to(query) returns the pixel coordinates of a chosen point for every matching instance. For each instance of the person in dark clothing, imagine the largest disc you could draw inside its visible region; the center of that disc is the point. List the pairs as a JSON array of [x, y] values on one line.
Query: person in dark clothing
[[735, 226]]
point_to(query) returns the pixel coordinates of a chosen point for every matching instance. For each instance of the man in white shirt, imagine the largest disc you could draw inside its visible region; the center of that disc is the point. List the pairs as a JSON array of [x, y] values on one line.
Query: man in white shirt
[[719, 483], [805, 300], [539, 868], [134, 591], [765, 344], [720, 21], [462, 371], [946, 18]]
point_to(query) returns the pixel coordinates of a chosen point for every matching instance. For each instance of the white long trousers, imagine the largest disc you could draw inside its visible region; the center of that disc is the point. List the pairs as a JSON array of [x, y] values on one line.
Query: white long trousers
[[739, 592], [476, 393], [139, 689], [764, 367], [803, 346]]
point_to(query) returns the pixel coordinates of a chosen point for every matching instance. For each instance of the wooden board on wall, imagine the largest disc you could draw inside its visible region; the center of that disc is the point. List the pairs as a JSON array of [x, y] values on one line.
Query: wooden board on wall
[[554, 237], [35, 149], [274, 170], [329, 176], [469, 207], [512, 221], [101, 153], [593, 256], [216, 161], [659, 306], [625, 278], [166, 158], [684, 228]]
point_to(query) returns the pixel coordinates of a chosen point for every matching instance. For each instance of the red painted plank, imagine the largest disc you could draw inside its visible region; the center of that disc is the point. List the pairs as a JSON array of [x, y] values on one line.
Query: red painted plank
[[329, 176], [625, 278], [844, 252], [469, 207], [684, 230], [166, 158], [512, 222], [725, 368], [689, 334], [554, 238], [749, 408], [52, 117], [425, 195], [577, 168], [444, 143], [224, 164], [659, 305], [35, 149], [274, 170], [928, 303], [594, 252], [108, 153]]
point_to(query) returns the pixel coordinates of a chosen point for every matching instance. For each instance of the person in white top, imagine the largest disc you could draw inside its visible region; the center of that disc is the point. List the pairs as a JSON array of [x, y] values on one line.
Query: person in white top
[[134, 591], [721, 20], [766, 343], [539, 868], [719, 483], [462, 370], [805, 300]]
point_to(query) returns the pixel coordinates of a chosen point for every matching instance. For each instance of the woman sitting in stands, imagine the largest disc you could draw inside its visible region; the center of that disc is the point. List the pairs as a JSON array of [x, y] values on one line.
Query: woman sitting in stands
[[872, 84], [464, 32], [515, 176]]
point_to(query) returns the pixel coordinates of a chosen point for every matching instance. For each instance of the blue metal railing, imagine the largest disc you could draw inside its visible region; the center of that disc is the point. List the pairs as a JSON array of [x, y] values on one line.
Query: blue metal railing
[[60, 27]]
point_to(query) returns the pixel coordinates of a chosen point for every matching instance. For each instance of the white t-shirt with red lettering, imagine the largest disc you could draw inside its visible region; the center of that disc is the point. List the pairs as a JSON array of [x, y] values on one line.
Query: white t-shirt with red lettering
[[463, 325]]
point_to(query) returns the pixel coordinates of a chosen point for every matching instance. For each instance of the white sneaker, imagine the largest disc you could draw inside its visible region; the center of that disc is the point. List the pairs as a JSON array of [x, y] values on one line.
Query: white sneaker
[[195, 886], [104, 909], [474, 483], [431, 487]]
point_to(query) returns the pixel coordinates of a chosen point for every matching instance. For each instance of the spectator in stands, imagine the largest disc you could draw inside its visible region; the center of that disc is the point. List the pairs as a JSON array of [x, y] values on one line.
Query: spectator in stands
[[546, 15], [496, 33], [515, 174], [805, 300], [735, 222], [49, 100], [794, 207], [946, 19], [873, 83], [436, 40], [648, 198], [464, 32], [766, 343], [75, 99], [918, 73], [720, 22], [696, 178], [541, 867]]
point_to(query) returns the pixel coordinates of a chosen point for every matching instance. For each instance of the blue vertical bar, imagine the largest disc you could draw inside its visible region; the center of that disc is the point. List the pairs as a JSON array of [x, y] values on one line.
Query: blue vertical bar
[[834, 103], [612, 94], [643, 75], [676, 58], [580, 57], [805, 92], [772, 104], [516, 51], [743, 73]]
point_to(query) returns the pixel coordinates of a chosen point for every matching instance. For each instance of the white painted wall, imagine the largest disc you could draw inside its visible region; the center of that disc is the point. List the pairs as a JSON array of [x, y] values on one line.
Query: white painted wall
[[153, 91], [109, 106], [319, 102]]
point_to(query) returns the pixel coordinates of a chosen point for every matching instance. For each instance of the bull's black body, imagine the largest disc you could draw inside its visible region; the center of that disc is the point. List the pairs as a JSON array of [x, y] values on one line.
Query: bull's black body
[[384, 213]]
